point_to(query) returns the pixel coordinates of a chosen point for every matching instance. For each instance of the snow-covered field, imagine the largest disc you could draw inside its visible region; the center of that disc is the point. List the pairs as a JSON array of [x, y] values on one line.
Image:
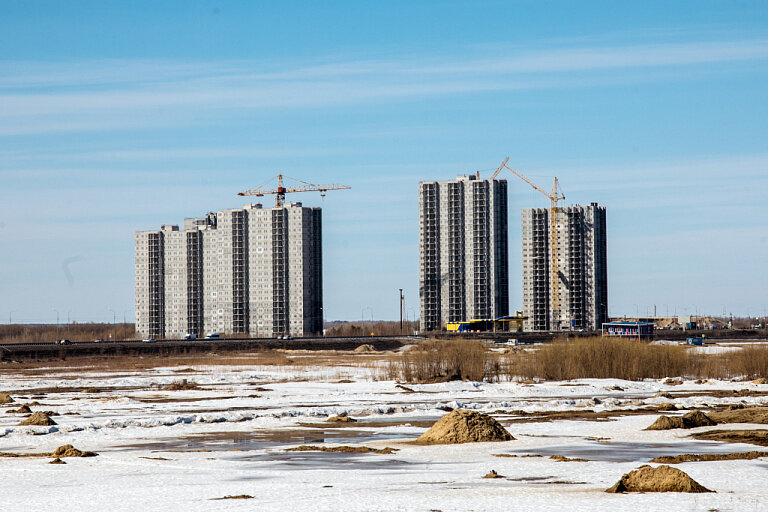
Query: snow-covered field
[[179, 450]]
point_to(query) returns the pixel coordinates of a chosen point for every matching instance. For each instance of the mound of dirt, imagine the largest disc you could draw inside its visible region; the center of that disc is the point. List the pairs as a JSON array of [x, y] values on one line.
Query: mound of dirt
[[57, 461], [181, 385], [664, 394], [708, 457], [761, 380], [667, 406], [38, 418], [342, 418], [5, 398], [673, 382], [658, 479], [68, 450], [365, 349], [463, 426], [493, 474], [757, 415], [692, 419], [758, 437], [24, 409], [342, 449]]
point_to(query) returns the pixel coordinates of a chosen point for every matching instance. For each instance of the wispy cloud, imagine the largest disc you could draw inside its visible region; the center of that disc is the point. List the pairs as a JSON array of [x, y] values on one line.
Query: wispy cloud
[[111, 95]]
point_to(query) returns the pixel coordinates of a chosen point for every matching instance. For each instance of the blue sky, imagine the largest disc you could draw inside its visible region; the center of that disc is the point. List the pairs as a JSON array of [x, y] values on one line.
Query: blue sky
[[121, 116]]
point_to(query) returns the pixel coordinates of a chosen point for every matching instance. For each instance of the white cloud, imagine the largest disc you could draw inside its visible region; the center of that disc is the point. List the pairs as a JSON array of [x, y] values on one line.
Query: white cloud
[[38, 98]]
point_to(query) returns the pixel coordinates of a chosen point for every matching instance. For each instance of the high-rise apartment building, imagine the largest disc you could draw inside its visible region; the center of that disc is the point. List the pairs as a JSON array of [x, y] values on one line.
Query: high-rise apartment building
[[582, 270], [462, 251], [244, 270]]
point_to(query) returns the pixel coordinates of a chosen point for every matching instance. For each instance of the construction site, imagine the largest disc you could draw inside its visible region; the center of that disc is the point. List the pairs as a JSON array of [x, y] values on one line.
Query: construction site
[[463, 259]]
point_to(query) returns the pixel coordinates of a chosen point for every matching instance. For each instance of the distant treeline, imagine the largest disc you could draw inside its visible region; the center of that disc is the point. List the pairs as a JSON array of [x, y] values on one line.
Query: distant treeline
[[21, 333]]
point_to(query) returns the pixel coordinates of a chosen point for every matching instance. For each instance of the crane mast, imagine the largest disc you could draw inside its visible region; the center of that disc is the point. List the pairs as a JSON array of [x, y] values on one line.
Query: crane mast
[[554, 196], [281, 190]]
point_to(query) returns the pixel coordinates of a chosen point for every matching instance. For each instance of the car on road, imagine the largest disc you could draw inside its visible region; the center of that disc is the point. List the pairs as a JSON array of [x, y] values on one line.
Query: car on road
[[190, 336], [99, 341], [213, 336], [148, 340], [63, 342]]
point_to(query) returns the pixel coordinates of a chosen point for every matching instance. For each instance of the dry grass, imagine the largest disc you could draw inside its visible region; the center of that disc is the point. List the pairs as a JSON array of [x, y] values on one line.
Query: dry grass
[[438, 360]]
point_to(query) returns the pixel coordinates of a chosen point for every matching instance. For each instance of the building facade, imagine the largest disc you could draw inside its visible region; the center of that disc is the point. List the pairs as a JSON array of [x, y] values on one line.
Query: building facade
[[463, 248], [244, 270], [582, 270]]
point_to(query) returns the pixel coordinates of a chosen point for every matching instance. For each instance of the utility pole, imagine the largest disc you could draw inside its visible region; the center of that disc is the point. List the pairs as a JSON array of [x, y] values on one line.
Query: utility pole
[[10, 314], [57, 324], [114, 320], [401, 310]]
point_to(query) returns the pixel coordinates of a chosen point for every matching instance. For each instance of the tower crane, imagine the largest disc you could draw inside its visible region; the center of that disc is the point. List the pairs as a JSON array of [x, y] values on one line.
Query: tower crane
[[281, 190], [554, 196]]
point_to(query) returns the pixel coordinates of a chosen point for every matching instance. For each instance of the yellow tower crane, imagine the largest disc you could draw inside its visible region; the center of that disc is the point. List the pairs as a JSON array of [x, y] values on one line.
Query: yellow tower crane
[[280, 191], [554, 196]]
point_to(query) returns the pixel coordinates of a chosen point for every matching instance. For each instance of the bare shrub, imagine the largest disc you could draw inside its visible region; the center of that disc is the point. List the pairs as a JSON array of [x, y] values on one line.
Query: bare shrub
[[441, 360]]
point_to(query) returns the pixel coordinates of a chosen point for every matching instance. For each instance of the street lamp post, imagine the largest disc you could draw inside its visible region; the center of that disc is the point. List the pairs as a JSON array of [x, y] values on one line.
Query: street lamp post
[[401, 310], [10, 314], [114, 321]]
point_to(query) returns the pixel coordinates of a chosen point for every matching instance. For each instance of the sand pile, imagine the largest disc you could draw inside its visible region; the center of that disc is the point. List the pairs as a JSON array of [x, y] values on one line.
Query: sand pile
[[38, 418], [761, 380], [68, 450], [5, 398], [57, 461], [342, 418], [666, 406], [24, 409], [365, 349], [673, 382], [493, 474], [708, 457], [692, 419], [463, 426], [181, 385], [742, 415], [658, 479]]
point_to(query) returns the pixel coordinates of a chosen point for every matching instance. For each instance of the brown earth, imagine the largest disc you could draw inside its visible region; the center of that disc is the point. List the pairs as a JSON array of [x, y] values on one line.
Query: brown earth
[[673, 382], [758, 437], [68, 450], [237, 497], [742, 415], [341, 418], [463, 426], [365, 349], [38, 418], [563, 458], [342, 449], [658, 479], [692, 419], [493, 474], [5, 398], [666, 406], [708, 457], [577, 415], [57, 461]]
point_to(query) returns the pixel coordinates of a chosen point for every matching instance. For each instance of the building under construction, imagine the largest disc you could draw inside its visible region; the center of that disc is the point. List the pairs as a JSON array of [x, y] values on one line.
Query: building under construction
[[246, 270], [462, 251], [581, 256]]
